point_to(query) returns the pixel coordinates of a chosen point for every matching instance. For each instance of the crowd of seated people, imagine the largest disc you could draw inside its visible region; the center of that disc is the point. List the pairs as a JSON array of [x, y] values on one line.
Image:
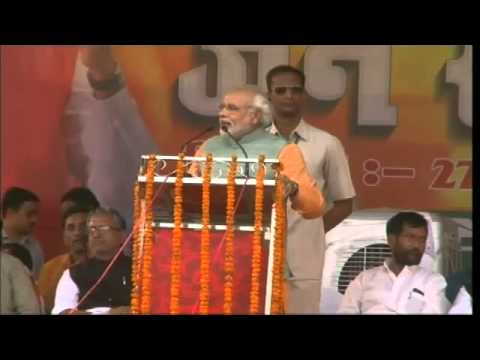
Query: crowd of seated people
[[93, 235]]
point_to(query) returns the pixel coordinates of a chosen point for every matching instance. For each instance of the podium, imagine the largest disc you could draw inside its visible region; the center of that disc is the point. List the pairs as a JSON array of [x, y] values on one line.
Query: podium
[[207, 245]]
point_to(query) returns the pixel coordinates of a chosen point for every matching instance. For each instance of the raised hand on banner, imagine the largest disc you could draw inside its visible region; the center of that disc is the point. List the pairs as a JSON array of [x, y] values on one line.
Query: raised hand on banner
[[102, 70]]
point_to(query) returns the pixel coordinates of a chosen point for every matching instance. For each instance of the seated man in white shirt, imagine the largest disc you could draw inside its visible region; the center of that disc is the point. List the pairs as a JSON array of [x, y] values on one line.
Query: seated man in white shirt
[[106, 230], [400, 285], [462, 304], [459, 292]]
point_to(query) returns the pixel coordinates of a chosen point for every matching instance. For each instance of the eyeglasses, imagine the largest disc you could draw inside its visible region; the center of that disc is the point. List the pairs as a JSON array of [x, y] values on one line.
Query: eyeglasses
[[295, 89], [73, 227], [231, 107], [101, 228]]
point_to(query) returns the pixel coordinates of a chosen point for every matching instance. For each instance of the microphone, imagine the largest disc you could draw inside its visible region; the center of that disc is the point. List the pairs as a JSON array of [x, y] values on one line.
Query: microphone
[[247, 167], [267, 125], [189, 141]]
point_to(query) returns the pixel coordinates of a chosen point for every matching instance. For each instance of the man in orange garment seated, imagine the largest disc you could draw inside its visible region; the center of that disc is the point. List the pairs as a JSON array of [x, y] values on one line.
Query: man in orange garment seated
[[75, 236], [242, 115]]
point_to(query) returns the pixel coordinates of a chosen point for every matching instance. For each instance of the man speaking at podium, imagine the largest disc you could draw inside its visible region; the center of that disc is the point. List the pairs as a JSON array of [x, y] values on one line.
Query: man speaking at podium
[[243, 115]]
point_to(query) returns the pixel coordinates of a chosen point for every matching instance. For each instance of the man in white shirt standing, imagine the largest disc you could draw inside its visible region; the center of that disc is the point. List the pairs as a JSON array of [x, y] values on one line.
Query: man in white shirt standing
[[327, 162], [400, 285]]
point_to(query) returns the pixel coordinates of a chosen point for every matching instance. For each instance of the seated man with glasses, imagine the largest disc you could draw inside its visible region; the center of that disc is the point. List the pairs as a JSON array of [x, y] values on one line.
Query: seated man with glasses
[[106, 233], [243, 114]]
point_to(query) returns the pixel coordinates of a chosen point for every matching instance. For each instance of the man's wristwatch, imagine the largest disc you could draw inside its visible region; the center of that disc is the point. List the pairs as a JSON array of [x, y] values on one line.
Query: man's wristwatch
[[113, 83], [294, 192]]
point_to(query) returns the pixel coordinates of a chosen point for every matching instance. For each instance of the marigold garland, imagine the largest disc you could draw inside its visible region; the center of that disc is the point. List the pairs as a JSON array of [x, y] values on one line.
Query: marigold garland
[[279, 250], [257, 239], [205, 238], [146, 289], [135, 295], [175, 265], [229, 266]]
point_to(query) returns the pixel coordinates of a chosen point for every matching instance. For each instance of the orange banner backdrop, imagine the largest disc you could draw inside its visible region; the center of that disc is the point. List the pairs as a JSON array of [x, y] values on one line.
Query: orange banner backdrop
[[403, 114]]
